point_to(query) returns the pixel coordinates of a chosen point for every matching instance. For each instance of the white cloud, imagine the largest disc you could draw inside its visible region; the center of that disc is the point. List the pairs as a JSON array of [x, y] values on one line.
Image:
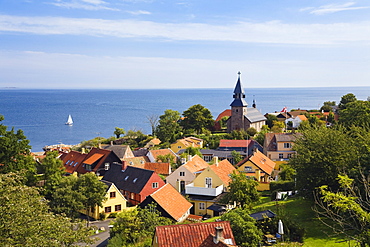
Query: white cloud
[[83, 4], [139, 12], [332, 8], [248, 32]]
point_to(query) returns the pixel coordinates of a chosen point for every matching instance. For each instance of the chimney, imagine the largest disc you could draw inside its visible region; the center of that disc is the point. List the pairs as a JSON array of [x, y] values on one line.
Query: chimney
[[219, 234], [99, 146], [124, 165], [215, 160], [189, 157], [111, 143]]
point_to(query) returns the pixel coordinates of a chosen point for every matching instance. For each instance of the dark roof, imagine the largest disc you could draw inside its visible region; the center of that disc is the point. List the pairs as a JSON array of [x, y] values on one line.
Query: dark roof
[[107, 183], [239, 95], [217, 208], [140, 152], [254, 115], [119, 150], [263, 215], [132, 179]]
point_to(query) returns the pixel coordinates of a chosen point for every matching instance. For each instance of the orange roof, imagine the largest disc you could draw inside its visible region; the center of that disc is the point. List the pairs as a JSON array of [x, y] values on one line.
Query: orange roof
[[196, 164], [157, 152], [156, 141], [159, 168], [262, 161], [225, 113], [302, 117], [191, 235], [92, 159], [223, 169], [171, 201]]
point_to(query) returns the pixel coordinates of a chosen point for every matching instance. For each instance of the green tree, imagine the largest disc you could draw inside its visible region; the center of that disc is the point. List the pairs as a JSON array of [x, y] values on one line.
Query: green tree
[[52, 171], [244, 227], [118, 132], [347, 209], [356, 113], [327, 106], [322, 153], [66, 199], [270, 120], [348, 98], [260, 137], [198, 118], [242, 191], [251, 131], [237, 157], [92, 189], [168, 126], [191, 151], [238, 135], [25, 219], [14, 151]]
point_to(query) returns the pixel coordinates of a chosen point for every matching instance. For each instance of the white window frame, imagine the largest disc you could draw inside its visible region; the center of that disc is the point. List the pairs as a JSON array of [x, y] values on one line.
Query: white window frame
[[208, 182], [155, 185], [202, 206]]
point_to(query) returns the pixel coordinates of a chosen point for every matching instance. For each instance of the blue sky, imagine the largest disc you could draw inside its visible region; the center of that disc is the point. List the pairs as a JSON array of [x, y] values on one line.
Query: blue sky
[[184, 43]]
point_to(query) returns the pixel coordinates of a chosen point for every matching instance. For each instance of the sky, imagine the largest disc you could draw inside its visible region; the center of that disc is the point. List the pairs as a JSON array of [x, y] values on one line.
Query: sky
[[147, 44]]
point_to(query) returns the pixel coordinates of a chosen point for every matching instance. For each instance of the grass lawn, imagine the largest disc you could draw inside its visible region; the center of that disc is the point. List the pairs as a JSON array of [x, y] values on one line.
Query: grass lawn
[[300, 210]]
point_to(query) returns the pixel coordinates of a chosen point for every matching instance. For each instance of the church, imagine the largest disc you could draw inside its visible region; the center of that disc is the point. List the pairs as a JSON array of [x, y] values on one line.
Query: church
[[242, 116]]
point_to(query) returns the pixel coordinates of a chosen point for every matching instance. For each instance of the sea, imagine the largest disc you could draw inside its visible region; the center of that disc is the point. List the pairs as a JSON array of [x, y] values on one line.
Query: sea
[[42, 113]]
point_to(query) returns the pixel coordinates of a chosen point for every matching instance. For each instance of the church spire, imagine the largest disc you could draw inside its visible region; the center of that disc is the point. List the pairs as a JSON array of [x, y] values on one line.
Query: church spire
[[239, 94]]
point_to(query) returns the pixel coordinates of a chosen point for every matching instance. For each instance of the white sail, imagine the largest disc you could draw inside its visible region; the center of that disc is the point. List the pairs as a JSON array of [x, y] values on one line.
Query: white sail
[[69, 121]]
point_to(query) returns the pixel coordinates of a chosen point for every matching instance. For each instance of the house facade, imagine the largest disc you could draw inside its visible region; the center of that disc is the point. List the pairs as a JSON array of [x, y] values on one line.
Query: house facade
[[207, 189], [115, 202], [169, 202], [134, 183], [185, 143], [186, 173], [279, 146], [259, 167]]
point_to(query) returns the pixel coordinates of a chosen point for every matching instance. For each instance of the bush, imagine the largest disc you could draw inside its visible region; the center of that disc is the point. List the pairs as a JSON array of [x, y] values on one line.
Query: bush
[[113, 215], [102, 216], [282, 186]]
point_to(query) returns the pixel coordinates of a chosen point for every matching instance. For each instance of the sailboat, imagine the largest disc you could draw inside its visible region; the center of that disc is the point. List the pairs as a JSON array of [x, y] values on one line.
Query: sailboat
[[69, 121]]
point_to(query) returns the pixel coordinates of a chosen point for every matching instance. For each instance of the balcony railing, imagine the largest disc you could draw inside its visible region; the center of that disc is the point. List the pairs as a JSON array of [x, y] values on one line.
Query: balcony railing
[[193, 190]]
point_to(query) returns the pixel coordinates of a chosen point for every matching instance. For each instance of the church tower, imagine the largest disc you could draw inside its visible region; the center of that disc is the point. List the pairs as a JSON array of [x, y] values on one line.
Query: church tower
[[238, 108]]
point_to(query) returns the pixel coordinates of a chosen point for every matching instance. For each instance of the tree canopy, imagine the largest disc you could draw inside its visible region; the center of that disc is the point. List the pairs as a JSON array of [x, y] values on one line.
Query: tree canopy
[[25, 219], [168, 126], [197, 118]]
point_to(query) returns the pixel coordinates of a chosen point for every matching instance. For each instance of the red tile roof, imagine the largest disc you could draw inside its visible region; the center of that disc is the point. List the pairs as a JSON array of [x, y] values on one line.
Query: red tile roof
[[235, 143], [159, 168], [75, 160], [171, 201], [191, 235], [155, 153], [225, 113], [223, 169], [92, 159]]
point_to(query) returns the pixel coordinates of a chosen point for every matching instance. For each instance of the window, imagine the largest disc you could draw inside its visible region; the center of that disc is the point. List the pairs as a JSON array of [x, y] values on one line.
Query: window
[[179, 147], [290, 156], [281, 156], [88, 167], [202, 206], [126, 178], [132, 196], [108, 209], [208, 182], [112, 194], [117, 207], [71, 163], [154, 185], [75, 164], [247, 168], [67, 162], [134, 180], [287, 145], [182, 174]]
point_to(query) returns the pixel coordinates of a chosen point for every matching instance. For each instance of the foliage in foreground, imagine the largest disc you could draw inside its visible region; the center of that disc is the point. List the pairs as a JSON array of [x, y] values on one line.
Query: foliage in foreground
[[25, 219]]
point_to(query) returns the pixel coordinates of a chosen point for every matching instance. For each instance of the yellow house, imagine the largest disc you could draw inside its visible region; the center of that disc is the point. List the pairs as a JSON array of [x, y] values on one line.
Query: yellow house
[[279, 146], [259, 167], [115, 202], [185, 143], [207, 188]]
